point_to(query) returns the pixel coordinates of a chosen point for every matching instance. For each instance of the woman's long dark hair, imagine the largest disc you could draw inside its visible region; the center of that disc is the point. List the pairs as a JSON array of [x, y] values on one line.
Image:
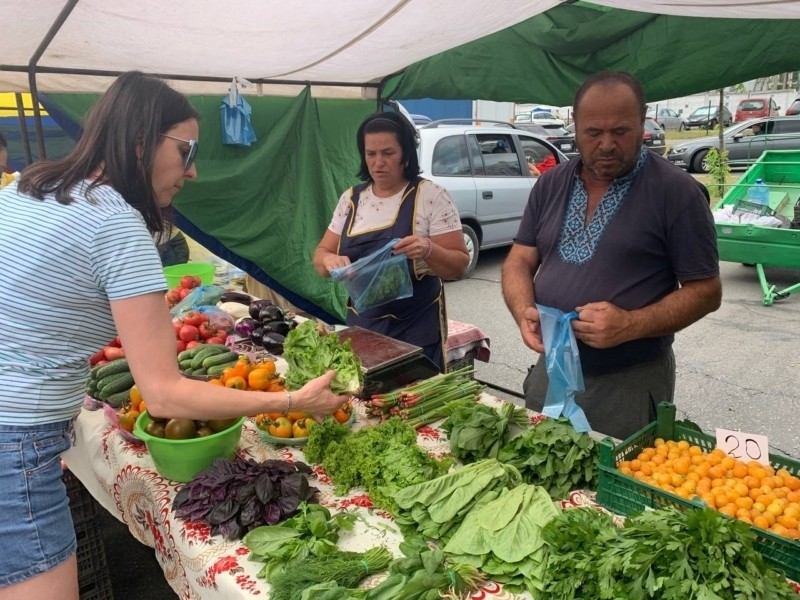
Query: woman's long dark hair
[[390, 122], [119, 141]]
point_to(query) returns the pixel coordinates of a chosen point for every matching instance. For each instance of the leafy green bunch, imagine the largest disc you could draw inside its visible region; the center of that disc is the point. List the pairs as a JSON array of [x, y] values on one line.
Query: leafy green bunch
[[310, 354], [478, 431], [555, 456]]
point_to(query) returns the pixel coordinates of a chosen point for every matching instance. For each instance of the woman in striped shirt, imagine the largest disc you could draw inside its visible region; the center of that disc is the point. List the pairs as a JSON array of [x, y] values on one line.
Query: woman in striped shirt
[[78, 231]]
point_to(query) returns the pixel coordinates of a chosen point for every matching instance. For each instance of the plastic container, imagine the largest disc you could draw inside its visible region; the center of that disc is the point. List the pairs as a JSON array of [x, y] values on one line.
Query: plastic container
[[625, 495], [181, 460], [205, 271], [758, 193]]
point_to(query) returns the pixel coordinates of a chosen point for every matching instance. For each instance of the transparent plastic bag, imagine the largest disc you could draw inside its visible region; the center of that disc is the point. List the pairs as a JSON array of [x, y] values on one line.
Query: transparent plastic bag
[[205, 295], [218, 318], [563, 363], [376, 279]]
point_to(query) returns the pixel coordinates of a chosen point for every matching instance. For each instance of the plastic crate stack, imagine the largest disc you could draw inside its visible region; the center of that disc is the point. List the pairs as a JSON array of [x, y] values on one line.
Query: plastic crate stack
[[94, 581]]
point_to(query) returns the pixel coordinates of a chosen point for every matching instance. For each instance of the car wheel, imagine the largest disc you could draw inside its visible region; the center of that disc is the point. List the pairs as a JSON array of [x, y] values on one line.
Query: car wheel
[[713, 124], [681, 127], [473, 247], [699, 162]]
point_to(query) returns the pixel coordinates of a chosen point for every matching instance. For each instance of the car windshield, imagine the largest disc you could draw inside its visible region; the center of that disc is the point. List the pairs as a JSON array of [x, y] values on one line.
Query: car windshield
[[751, 105], [703, 111]]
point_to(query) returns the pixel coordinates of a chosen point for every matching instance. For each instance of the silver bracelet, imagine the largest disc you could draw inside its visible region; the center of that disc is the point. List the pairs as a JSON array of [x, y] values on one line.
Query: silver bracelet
[[430, 250], [288, 402]]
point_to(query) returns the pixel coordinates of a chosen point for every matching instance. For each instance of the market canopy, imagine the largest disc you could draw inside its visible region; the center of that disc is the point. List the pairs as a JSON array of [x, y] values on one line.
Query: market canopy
[[547, 57]]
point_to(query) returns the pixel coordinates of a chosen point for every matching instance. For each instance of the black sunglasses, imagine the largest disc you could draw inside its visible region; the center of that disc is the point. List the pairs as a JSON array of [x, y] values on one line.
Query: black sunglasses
[[190, 155]]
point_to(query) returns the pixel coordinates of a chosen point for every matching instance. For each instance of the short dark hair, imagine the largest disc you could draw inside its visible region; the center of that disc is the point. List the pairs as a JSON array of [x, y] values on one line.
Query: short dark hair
[[390, 122], [609, 78], [132, 114]]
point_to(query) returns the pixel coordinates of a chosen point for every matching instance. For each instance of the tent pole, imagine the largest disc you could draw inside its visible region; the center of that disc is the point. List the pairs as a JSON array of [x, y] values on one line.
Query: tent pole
[[51, 33], [23, 129]]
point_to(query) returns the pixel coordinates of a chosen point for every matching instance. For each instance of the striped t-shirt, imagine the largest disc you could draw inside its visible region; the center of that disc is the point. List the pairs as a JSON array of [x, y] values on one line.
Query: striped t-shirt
[[59, 267]]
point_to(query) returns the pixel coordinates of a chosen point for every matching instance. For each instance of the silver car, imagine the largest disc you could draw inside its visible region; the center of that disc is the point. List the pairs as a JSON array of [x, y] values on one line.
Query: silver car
[[668, 119], [484, 167], [745, 142]]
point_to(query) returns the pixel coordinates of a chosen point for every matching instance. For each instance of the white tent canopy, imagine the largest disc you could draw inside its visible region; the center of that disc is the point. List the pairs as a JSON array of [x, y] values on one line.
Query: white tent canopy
[[343, 42]]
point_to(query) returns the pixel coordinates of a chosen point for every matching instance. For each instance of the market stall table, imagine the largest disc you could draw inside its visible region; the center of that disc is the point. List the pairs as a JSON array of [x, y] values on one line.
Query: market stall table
[[121, 476]]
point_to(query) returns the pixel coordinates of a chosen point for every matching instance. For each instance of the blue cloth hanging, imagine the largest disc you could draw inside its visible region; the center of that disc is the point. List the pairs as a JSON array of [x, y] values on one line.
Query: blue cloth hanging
[[235, 111], [563, 363]]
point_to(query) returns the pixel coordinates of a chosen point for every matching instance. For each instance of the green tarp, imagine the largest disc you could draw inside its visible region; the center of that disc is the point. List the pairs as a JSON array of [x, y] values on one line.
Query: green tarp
[[265, 208], [547, 57]]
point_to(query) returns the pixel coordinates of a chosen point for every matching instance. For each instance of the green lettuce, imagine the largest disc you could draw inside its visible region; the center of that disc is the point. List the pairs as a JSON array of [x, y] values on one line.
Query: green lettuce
[[310, 354]]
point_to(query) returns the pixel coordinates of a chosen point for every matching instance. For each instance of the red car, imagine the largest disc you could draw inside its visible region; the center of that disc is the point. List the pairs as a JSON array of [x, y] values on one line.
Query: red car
[[794, 108], [753, 108]]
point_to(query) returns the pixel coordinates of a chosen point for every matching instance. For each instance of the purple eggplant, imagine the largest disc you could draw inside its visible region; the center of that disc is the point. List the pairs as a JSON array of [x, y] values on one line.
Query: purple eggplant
[[245, 327], [273, 342], [257, 305], [271, 313], [281, 327]]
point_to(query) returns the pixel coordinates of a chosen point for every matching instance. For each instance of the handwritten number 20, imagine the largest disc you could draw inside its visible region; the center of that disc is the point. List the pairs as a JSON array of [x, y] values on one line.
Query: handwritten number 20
[[751, 448]]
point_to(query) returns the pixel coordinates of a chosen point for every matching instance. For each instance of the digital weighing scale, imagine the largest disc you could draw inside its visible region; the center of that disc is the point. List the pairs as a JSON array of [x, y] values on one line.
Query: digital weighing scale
[[387, 363]]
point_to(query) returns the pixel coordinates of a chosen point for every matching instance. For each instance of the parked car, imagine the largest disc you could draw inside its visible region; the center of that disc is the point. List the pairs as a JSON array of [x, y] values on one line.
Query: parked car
[[794, 108], [667, 119], [706, 117], [654, 137], [752, 108], [485, 169], [745, 142], [420, 119], [540, 117], [560, 137]]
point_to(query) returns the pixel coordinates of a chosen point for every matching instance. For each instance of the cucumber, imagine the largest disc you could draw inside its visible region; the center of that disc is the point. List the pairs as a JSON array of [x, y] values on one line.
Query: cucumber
[[198, 371], [119, 399], [114, 385], [185, 355], [197, 359], [91, 387], [114, 367], [219, 359], [186, 364], [216, 370]]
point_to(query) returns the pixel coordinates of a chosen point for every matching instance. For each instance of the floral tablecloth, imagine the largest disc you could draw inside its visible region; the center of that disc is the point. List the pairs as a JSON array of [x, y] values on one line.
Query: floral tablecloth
[[121, 476]]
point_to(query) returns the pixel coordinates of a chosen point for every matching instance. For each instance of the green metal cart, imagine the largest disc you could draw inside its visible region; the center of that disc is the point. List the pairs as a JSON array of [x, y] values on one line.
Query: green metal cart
[[766, 246]]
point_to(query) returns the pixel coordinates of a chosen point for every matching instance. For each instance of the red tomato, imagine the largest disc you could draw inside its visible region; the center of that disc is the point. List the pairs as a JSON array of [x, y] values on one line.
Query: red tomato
[[215, 340], [205, 331], [115, 342], [196, 280], [101, 362], [192, 317], [184, 292], [177, 327], [193, 344], [97, 357], [188, 333], [113, 353], [173, 296], [187, 282], [181, 345]]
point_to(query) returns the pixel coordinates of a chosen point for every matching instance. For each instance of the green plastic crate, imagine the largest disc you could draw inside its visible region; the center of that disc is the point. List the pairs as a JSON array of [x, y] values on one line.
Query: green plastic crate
[[625, 495]]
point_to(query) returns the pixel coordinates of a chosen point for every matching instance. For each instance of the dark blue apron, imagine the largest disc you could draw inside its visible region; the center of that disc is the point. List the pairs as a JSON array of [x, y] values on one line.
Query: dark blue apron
[[418, 320]]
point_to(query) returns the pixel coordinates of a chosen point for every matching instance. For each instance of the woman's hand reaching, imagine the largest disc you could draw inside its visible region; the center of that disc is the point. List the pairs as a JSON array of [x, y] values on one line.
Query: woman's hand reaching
[[316, 398]]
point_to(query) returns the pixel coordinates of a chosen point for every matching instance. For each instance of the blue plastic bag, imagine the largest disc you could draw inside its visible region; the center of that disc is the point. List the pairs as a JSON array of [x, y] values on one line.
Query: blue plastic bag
[[376, 279], [237, 130], [563, 364]]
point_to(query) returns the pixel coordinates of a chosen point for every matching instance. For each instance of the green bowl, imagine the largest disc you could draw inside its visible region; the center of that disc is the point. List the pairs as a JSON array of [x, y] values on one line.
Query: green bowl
[[205, 271], [181, 460]]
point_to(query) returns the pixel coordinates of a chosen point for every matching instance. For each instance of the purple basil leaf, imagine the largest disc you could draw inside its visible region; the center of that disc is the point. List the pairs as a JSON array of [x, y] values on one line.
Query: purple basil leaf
[[302, 467], [251, 512], [288, 505], [246, 492], [294, 484], [272, 514], [223, 511], [265, 490], [231, 530]]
